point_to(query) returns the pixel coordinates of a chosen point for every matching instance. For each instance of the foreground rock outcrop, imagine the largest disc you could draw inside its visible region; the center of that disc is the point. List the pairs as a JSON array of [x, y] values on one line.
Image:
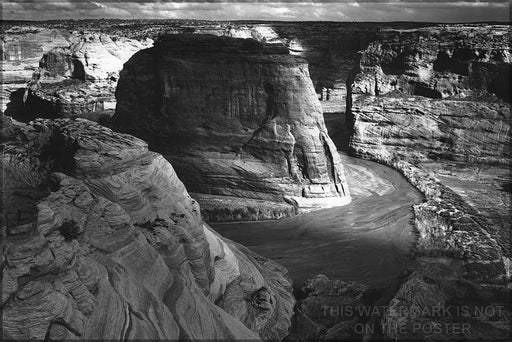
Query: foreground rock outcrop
[[435, 304], [236, 118], [100, 240], [332, 310]]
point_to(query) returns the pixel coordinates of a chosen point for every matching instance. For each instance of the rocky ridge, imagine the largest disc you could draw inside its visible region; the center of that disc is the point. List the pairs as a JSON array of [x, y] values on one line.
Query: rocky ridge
[[101, 240], [235, 117]]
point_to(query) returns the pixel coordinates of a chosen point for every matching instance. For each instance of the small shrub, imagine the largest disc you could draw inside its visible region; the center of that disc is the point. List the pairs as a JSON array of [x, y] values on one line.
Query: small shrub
[[70, 230]]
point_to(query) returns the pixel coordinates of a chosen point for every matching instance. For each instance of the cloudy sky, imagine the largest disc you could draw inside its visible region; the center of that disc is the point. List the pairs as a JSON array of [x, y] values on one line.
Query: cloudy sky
[[361, 10]]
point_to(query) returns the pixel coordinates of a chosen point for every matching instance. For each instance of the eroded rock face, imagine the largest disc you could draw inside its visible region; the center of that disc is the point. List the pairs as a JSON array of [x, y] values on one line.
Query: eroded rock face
[[235, 117], [21, 50], [418, 129], [433, 93], [76, 79], [437, 62], [102, 241], [432, 103], [438, 96]]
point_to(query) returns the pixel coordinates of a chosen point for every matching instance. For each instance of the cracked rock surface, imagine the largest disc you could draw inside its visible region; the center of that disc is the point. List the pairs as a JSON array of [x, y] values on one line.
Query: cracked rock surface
[[101, 240]]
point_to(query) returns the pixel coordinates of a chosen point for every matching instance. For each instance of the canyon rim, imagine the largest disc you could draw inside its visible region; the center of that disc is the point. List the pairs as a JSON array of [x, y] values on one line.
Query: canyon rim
[[265, 171]]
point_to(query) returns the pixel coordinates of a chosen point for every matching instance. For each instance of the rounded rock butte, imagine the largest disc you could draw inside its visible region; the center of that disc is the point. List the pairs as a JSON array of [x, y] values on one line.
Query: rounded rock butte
[[237, 118]]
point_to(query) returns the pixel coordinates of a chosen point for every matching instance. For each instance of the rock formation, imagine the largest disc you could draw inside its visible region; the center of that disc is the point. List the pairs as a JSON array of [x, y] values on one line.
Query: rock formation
[[433, 103], [235, 117], [437, 62], [77, 80], [436, 305], [101, 240], [419, 129], [22, 48], [328, 310], [329, 48]]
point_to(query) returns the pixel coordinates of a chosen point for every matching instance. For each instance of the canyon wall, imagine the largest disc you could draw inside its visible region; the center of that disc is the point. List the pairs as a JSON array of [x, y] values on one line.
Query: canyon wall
[[65, 69], [236, 118], [419, 129], [434, 103], [100, 240], [439, 92], [63, 48], [22, 48], [55, 73]]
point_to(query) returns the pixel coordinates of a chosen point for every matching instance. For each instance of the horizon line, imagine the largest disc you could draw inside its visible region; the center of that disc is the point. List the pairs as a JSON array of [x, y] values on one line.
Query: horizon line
[[508, 22]]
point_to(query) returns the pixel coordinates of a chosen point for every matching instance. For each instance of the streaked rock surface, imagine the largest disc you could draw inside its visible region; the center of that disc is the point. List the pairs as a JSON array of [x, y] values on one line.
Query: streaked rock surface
[[434, 104], [22, 48], [419, 129], [102, 241], [235, 117], [74, 79]]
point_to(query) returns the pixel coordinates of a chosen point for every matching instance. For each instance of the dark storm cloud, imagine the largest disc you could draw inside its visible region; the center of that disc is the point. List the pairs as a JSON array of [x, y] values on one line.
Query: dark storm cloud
[[362, 10]]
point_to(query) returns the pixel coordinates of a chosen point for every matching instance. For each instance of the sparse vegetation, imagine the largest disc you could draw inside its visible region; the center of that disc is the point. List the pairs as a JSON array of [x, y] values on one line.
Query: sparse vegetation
[[70, 230]]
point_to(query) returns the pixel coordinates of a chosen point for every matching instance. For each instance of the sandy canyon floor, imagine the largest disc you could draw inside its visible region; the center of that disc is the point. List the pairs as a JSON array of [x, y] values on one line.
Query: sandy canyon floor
[[368, 240]]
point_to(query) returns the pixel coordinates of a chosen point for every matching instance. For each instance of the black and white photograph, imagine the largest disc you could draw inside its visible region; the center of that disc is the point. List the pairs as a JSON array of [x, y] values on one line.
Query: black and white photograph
[[256, 170]]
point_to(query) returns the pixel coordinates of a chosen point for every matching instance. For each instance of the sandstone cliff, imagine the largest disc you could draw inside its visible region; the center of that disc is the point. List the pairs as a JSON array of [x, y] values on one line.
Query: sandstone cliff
[[101, 240], [417, 129], [235, 117], [75, 80], [22, 48], [329, 48], [432, 103]]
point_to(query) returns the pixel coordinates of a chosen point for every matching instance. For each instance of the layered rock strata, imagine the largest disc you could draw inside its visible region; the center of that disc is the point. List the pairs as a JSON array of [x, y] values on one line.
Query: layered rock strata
[[432, 103], [101, 240], [436, 62], [418, 129], [329, 48], [235, 117], [77, 80], [22, 48]]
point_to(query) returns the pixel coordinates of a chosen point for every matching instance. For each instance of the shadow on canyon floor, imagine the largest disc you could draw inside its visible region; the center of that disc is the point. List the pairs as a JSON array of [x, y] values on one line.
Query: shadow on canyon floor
[[339, 130]]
